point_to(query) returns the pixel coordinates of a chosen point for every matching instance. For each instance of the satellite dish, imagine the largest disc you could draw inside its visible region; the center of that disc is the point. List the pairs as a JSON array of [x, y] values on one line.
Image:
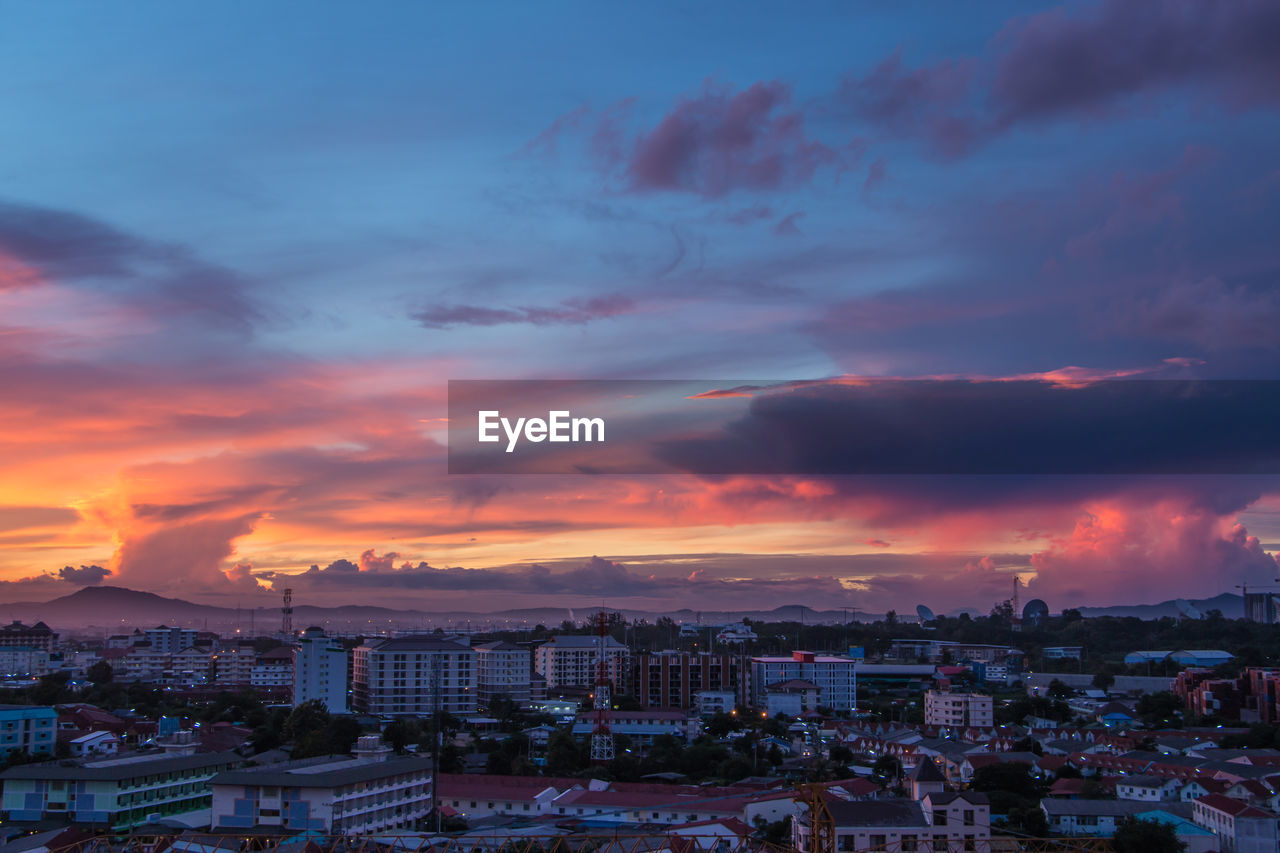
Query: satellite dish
[[1035, 611], [925, 614], [1187, 609]]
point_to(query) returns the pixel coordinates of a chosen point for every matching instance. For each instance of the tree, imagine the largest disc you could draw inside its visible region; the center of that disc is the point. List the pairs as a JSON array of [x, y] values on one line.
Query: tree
[[1146, 836], [1104, 680], [564, 754], [100, 673], [886, 767]]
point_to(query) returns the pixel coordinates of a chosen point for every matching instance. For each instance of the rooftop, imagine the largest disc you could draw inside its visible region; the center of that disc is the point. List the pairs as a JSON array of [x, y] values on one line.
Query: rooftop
[[326, 771]]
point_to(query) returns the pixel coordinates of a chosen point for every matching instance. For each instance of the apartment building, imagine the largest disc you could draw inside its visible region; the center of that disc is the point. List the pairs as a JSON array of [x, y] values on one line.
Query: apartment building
[[320, 671], [37, 636], [344, 795], [406, 675], [569, 661], [504, 669], [835, 677], [273, 668], [963, 710], [113, 793], [233, 661], [18, 661], [27, 729], [672, 679], [165, 640]]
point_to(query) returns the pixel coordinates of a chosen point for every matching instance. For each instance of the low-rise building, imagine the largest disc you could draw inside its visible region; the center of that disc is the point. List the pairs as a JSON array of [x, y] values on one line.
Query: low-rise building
[[339, 795], [946, 821], [641, 726], [1089, 817], [115, 793], [1240, 827], [958, 710]]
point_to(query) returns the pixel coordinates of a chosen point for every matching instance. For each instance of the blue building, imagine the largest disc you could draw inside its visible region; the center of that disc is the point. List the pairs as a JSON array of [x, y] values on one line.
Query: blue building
[[27, 728]]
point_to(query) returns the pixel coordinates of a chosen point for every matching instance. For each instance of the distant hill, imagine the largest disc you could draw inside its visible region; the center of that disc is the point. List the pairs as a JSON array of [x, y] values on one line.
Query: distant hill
[[111, 609], [1231, 605]]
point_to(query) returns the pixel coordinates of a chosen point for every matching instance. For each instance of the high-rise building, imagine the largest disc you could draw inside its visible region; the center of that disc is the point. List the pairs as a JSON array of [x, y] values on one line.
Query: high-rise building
[[320, 671], [414, 675], [503, 669], [569, 661]]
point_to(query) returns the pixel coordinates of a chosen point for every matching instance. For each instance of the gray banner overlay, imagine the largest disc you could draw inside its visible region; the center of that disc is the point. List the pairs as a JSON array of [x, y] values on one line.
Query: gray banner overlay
[[863, 427]]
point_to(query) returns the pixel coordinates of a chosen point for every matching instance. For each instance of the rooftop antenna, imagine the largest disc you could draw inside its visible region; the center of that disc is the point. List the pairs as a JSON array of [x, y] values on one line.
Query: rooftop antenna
[[602, 735], [1015, 618]]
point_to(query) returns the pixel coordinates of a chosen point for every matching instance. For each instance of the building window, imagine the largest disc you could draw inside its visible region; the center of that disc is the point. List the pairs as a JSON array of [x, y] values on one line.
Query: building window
[[939, 817], [968, 817]]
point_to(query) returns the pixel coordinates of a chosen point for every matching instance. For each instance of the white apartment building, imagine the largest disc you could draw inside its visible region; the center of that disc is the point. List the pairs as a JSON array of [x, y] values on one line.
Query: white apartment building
[[23, 660], [233, 661], [347, 795], [273, 668], [401, 675], [503, 669], [835, 677], [320, 671], [169, 641], [570, 661], [965, 710]]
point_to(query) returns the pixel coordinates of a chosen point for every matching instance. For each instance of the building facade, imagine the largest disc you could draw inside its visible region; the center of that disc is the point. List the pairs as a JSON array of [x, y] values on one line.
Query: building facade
[[964, 710], [37, 636], [569, 661], [114, 793], [320, 671], [671, 679], [346, 795], [27, 729], [504, 669], [414, 675], [835, 677]]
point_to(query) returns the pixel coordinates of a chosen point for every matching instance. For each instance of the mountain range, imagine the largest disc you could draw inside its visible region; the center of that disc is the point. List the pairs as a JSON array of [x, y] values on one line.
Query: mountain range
[[96, 610]]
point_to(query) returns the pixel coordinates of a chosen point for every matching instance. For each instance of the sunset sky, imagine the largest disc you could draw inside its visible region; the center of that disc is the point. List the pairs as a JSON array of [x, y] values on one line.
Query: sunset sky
[[244, 246]]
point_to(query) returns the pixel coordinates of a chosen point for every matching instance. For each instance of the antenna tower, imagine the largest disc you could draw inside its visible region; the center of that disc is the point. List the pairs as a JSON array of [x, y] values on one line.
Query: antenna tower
[[286, 614], [601, 735]]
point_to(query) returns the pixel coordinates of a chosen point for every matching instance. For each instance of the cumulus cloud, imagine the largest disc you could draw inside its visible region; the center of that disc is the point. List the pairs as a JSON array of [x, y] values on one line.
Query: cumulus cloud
[[85, 575], [1127, 551]]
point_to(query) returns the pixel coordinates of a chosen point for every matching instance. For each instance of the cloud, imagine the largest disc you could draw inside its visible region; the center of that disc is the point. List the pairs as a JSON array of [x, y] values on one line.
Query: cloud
[[710, 144], [161, 279], [929, 101], [1122, 550], [1208, 313], [85, 575], [571, 312], [789, 224], [1013, 427], [1085, 63], [1056, 63]]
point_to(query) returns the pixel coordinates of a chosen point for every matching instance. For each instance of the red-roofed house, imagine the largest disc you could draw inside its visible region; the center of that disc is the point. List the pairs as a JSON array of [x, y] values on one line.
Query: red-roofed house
[[1240, 827]]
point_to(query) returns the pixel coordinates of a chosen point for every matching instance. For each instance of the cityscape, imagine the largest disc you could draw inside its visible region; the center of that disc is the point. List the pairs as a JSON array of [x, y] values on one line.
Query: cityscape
[[577, 427]]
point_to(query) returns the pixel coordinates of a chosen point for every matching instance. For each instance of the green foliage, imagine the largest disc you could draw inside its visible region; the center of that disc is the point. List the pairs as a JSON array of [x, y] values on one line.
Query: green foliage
[[100, 673], [1146, 836]]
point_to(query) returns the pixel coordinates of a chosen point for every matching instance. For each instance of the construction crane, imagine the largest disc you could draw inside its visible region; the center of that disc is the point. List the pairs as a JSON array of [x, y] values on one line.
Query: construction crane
[[822, 826]]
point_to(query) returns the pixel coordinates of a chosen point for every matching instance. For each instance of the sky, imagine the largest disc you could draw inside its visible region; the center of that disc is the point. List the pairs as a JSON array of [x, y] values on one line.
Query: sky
[[244, 247]]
